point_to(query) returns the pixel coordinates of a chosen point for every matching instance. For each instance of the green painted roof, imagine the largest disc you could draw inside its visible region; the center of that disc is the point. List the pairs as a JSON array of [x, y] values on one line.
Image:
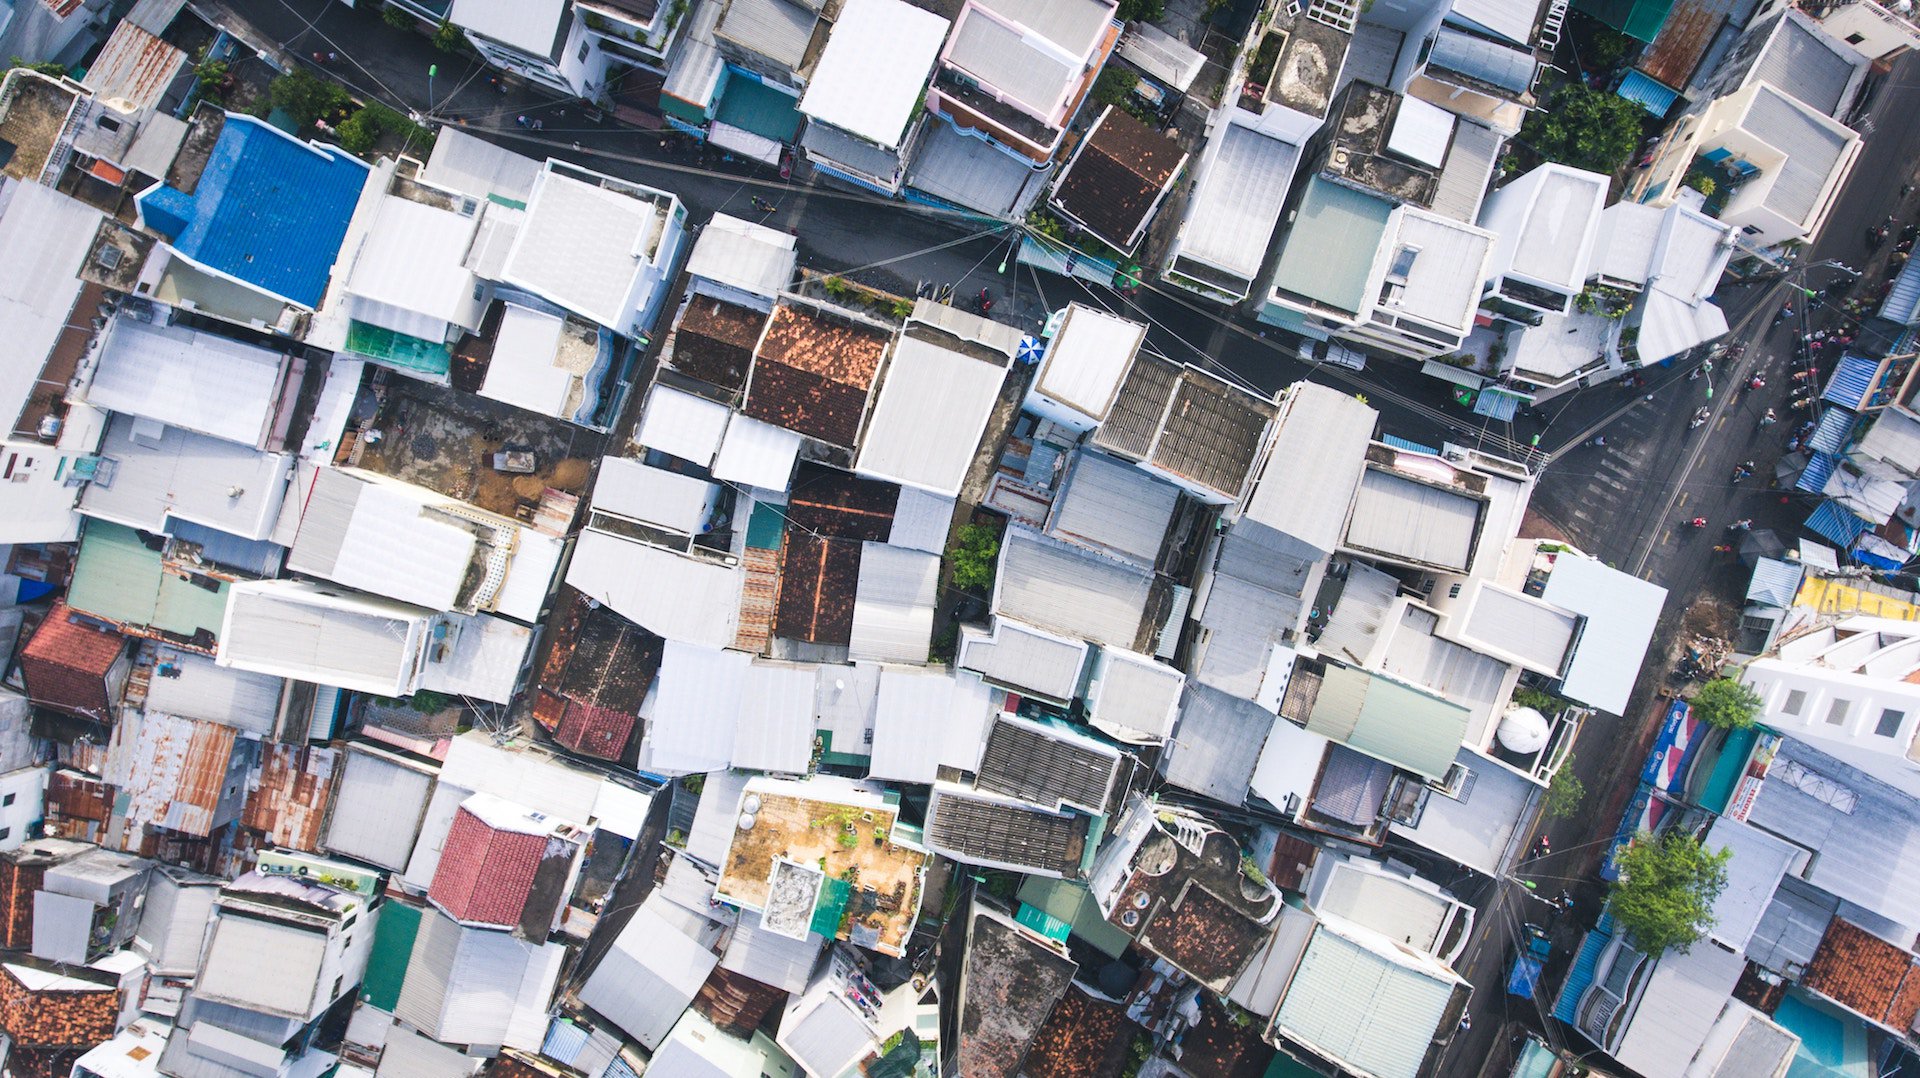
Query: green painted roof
[[398, 349], [1328, 252], [392, 950], [1071, 902], [1639, 19], [1386, 719], [752, 105], [830, 906], [117, 577]]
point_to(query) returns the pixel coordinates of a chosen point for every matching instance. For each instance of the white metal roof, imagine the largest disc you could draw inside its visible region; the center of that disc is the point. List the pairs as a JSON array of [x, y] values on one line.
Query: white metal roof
[[521, 370], [199, 688], [585, 246], [1024, 657], [697, 707], [1238, 199], [654, 495], [870, 76], [295, 629], [774, 730], [242, 946], [1681, 1001], [379, 537], [1087, 360], [1135, 697], [1113, 508], [930, 415], [1026, 68], [189, 378], [414, 263], [1060, 587], [757, 454], [528, 25], [1397, 516], [170, 472], [1441, 287], [1512, 623], [1759, 861], [682, 425], [377, 808], [747, 256], [1161, 55], [1421, 131], [893, 604], [1621, 611], [468, 163], [488, 652], [1314, 465], [677, 597], [928, 719], [44, 236], [1511, 19], [649, 975], [921, 520]]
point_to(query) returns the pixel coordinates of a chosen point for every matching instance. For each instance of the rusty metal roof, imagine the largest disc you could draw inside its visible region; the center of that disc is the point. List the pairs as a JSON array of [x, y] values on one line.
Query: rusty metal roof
[[134, 66]]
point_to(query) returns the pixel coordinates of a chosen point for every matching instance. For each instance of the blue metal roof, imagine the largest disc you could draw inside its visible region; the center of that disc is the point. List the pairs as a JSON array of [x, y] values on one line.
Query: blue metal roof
[[565, 1041], [1834, 431], [1496, 404], [1775, 583], [1832, 521], [1411, 447], [1902, 304], [1646, 92], [268, 210], [1580, 976], [1813, 478], [1852, 380]]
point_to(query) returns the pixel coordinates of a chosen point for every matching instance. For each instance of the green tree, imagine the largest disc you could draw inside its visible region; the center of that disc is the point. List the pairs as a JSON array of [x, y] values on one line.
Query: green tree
[[1664, 896], [1114, 86], [1726, 703], [1585, 128], [307, 97], [1142, 10], [44, 67], [973, 552], [448, 38], [397, 17], [359, 133], [1564, 794]]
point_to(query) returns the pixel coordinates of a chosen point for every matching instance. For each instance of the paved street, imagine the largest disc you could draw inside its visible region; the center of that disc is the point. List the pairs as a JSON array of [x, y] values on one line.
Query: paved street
[[1622, 501]]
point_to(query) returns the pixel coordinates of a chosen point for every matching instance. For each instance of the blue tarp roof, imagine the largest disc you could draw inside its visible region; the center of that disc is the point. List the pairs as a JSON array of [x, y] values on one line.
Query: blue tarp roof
[[1834, 431], [1852, 380], [1813, 478], [1646, 92], [268, 210], [1832, 521]]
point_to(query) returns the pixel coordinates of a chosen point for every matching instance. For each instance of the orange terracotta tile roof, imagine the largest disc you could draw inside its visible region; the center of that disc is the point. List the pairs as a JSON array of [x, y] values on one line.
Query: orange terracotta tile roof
[[1867, 975], [66, 663], [840, 350]]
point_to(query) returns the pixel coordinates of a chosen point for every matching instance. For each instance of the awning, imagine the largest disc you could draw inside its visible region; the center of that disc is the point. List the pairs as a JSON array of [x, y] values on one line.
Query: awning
[[1496, 403], [1447, 372], [1852, 381], [1647, 93], [1832, 521], [1411, 447], [1820, 469], [742, 141], [1834, 431]]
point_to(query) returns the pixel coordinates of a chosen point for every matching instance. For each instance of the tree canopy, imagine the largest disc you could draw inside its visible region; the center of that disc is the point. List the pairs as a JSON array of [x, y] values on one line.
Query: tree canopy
[[1726, 703], [1664, 896], [1585, 128]]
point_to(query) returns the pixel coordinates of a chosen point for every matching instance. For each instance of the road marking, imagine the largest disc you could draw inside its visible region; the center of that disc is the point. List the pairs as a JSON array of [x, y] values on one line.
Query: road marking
[[1682, 500], [1722, 425], [1667, 538]]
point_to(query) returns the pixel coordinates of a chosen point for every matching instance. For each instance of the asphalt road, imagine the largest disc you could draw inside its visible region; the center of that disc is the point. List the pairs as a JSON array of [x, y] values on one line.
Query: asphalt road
[[1620, 502]]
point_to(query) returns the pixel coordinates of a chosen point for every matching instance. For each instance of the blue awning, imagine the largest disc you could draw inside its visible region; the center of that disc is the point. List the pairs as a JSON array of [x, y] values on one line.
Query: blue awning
[[565, 1041], [1852, 381], [1902, 304], [1411, 447], [1834, 431], [1580, 975], [1647, 93], [1813, 478], [1832, 521]]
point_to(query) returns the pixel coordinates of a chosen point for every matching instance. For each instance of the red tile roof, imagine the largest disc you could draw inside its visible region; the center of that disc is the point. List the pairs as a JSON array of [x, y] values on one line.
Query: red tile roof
[[485, 874], [590, 730], [1867, 975], [834, 347], [66, 665], [806, 403], [1084, 1038]]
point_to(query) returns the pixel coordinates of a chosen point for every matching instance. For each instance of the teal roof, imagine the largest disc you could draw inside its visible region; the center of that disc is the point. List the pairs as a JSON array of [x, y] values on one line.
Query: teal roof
[[1389, 720], [752, 105], [1072, 903], [268, 209], [1328, 253], [398, 349], [119, 578], [1639, 19], [392, 951]]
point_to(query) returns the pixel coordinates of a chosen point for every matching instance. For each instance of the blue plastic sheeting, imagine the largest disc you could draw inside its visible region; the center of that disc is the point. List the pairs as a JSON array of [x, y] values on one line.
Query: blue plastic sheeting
[[268, 210], [1834, 432], [1525, 976], [1411, 447], [1813, 478], [1647, 93], [1875, 560], [1833, 522], [1580, 976], [1852, 380]]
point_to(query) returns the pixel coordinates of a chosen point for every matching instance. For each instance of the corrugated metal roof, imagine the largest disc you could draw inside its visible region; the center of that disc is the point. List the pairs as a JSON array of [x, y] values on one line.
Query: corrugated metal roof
[[1401, 517], [776, 29], [1832, 521], [1868, 851], [930, 415], [774, 731], [116, 576], [411, 273], [200, 688], [1087, 361], [1462, 185], [827, 1039], [1819, 469], [1219, 744], [747, 256], [770, 957], [1678, 1006], [921, 520], [926, 720], [972, 173], [174, 921], [1851, 382], [1759, 861], [474, 166], [648, 976], [134, 67], [712, 830], [1237, 201], [527, 25], [1047, 583], [1523, 627], [696, 707], [869, 78], [1833, 432], [1135, 694], [1315, 465], [757, 454], [1644, 91], [409, 1055], [377, 808], [1161, 55], [1813, 143], [673, 596], [1386, 719], [1328, 254], [44, 237], [1024, 657], [1487, 61], [1000, 55], [633, 489], [1356, 1004], [1810, 64], [1072, 26], [1113, 508], [176, 770], [1902, 304], [242, 947], [893, 605], [682, 425]]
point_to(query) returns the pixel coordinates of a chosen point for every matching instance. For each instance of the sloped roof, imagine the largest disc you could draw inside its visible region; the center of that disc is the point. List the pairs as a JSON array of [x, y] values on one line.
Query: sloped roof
[[486, 872], [1388, 720], [65, 664], [1867, 975], [1357, 1004], [876, 62], [1114, 182]]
